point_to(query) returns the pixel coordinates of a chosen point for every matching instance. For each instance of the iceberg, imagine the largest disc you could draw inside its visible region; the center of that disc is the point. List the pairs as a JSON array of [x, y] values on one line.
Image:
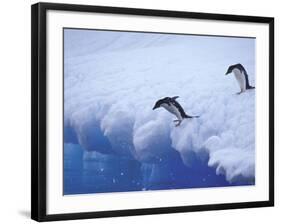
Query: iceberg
[[112, 80]]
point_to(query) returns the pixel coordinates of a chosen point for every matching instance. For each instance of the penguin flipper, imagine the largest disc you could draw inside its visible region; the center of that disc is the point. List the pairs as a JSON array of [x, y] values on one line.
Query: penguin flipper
[[175, 97], [246, 78]]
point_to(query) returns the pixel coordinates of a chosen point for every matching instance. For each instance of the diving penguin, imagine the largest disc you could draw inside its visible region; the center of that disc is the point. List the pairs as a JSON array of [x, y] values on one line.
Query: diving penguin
[[241, 76], [171, 105]]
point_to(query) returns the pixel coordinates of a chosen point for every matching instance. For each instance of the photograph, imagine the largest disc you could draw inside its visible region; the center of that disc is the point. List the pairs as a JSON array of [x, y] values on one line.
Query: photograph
[[152, 111]]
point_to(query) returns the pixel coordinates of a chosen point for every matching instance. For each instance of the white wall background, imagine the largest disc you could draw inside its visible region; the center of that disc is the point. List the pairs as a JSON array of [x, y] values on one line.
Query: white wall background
[[15, 110]]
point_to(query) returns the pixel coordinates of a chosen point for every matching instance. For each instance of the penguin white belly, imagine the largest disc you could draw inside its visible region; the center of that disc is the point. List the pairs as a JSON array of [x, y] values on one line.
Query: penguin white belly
[[172, 109], [240, 77]]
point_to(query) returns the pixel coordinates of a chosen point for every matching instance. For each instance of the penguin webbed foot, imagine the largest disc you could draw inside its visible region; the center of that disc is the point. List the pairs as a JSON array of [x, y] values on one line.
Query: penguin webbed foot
[[240, 92], [178, 124]]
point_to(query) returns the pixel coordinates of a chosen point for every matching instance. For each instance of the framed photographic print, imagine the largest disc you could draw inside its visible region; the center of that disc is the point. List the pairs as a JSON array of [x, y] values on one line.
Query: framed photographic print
[[140, 111]]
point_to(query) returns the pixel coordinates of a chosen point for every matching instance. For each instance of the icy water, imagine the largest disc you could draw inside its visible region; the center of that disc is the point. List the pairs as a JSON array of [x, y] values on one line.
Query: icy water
[[93, 172]]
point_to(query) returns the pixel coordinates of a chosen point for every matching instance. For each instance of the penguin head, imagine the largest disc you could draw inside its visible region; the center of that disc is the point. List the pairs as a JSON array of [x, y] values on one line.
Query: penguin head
[[229, 70], [157, 104], [237, 66]]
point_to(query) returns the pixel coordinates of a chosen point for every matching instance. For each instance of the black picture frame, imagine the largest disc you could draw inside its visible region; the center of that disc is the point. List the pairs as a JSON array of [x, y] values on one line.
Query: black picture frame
[[39, 116]]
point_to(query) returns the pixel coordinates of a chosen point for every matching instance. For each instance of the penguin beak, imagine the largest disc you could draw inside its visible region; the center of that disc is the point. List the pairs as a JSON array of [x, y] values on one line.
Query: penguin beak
[[155, 107], [227, 72]]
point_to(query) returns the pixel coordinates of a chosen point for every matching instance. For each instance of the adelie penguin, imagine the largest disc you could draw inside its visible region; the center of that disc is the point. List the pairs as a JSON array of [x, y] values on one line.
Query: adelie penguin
[[171, 105], [241, 76]]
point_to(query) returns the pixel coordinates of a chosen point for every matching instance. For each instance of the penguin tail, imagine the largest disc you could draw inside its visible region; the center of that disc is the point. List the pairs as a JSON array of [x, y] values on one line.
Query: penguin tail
[[187, 116], [195, 116]]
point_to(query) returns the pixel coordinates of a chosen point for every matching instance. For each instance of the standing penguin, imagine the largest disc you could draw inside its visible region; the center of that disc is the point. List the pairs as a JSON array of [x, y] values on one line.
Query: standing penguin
[[241, 76], [171, 105]]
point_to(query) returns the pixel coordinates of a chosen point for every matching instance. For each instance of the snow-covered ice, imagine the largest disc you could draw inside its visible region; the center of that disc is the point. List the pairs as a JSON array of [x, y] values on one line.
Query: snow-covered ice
[[113, 79]]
